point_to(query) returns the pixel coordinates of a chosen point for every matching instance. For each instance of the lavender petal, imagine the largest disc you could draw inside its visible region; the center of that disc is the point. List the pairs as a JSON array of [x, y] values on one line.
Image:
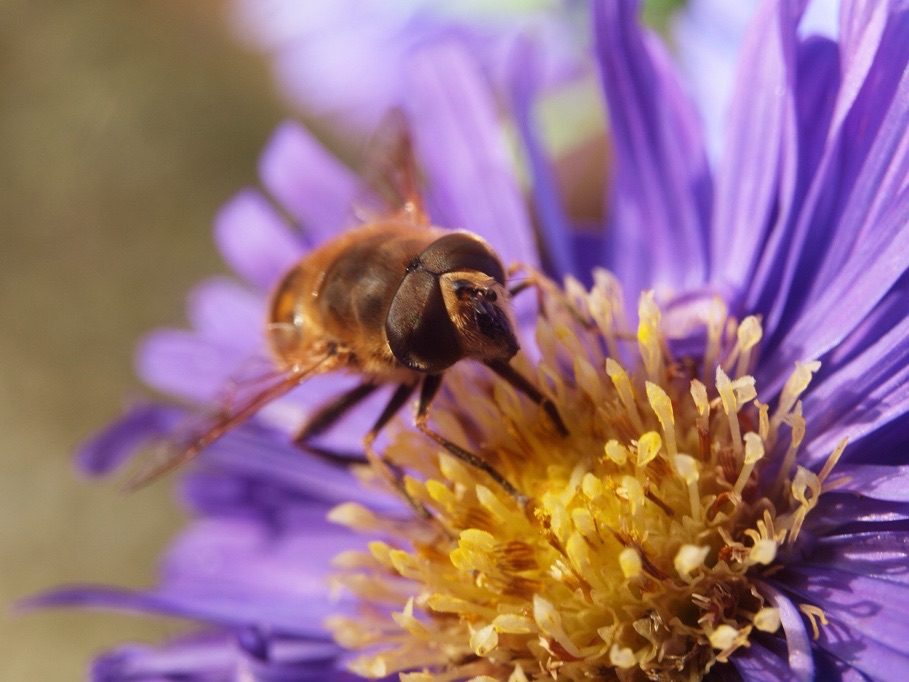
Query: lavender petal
[[662, 192], [525, 83], [758, 170], [254, 240], [460, 143], [801, 662], [110, 448], [882, 555], [311, 184]]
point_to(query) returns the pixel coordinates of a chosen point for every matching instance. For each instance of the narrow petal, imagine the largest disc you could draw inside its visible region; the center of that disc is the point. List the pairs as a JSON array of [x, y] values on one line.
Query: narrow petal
[[867, 398], [197, 658], [870, 150], [759, 664], [869, 618], [461, 146], [255, 454], [254, 240], [879, 482], [757, 179], [312, 185], [186, 365], [662, 192], [552, 219], [216, 559], [221, 309], [221, 656], [708, 35], [875, 554], [836, 511], [854, 189], [227, 344], [801, 662], [874, 267], [233, 572], [110, 448]]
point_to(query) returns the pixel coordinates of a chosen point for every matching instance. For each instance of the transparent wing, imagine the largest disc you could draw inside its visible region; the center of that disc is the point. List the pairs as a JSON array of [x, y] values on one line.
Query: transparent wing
[[391, 174], [241, 402]]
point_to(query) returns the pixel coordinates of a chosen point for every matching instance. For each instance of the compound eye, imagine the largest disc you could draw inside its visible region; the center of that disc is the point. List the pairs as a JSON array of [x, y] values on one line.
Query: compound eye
[[490, 295], [419, 329]]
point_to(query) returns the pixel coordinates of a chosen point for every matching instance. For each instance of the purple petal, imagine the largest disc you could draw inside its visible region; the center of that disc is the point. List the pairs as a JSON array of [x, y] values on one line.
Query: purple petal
[[864, 394], [229, 336], [221, 656], [110, 448], [759, 664], [708, 36], [222, 310], [312, 185], [235, 573], [229, 608], [883, 555], [801, 662], [838, 510], [856, 187], [869, 618], [818, 67], [525, 84], [280, 575], [186, 365], [875, 266], [870, 156], [662, 192], [757, 171], [462, 148], [208, 658], [861, 27], [254, 240], [253, 454], [878, 482]]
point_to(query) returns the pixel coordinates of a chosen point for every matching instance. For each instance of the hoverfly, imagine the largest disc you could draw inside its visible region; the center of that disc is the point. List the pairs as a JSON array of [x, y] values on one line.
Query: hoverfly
[[397, 301]]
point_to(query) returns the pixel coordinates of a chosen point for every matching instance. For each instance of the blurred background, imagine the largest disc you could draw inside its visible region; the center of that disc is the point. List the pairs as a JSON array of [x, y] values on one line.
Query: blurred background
[[123, 127]]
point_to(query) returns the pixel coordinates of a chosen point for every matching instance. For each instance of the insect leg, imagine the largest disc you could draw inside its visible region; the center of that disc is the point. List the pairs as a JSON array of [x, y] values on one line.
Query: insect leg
[[325, 418], [328, 414], [530, 279], [428, 391], [516, 379], [389, 470]]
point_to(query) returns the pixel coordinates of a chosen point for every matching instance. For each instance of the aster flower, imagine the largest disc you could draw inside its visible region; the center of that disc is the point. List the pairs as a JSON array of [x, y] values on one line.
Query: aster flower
[[730, 500]]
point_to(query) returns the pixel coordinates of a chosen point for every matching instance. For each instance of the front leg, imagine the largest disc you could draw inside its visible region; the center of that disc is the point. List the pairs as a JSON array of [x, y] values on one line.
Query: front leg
[[431, 385]]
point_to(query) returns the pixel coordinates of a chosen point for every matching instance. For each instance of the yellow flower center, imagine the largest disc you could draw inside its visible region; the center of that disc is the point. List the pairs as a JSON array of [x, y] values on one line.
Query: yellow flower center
[[646, 526]]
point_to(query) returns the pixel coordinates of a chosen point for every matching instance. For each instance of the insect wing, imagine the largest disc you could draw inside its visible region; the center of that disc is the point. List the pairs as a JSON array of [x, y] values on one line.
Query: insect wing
[[233, 415], [391, 174]]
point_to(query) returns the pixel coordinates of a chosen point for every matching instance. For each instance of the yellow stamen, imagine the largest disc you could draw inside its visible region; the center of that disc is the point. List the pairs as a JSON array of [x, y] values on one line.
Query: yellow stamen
[[626, 393], [686, 468], [748, 337], [662, 408], [767, 619], [815, 615], [754, 450], [649, 445], [649, 336], [646, 528]]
